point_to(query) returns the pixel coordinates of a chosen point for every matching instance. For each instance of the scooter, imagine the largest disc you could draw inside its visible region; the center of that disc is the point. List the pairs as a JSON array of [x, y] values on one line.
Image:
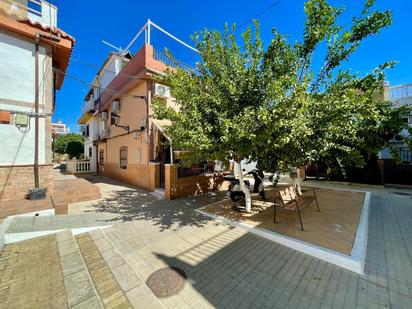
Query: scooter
[[274, 178], [235, 191]]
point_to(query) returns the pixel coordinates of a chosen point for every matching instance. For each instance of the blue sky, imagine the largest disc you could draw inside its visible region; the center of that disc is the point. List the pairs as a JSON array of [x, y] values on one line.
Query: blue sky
[[117, 22]]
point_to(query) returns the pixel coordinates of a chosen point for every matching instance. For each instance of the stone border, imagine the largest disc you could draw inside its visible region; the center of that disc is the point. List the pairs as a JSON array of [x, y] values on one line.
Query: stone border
[[10, 238], [354, 262]]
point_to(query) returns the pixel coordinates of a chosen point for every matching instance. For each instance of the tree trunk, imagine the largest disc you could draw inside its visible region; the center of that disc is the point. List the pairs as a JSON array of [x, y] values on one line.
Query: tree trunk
[[245, 189], [298, 180]]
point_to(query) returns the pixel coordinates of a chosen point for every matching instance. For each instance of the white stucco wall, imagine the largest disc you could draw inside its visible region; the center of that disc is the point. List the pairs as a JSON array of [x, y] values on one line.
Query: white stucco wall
[[17, 148], [107, 74], [17, 69], [88, 142], [17, 94]]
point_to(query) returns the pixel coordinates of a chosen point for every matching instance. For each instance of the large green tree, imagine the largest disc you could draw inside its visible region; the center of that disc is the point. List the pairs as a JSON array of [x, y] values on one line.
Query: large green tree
[[256, 102], [71, 144]]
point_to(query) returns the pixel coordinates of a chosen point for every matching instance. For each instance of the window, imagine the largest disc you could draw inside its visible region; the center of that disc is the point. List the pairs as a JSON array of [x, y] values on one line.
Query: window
[[123, 157], [90, 152], [406, 155], [101, 157]]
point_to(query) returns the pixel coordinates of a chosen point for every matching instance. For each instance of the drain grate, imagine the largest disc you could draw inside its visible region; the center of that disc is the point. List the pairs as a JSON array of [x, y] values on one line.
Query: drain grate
[[166, 281]]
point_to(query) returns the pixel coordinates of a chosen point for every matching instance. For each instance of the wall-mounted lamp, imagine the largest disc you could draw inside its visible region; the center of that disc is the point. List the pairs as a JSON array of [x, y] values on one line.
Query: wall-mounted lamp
[[114, 121]]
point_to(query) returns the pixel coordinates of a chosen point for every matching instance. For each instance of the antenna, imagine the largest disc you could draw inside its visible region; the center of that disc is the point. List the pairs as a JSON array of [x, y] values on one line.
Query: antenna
[[119, 49]]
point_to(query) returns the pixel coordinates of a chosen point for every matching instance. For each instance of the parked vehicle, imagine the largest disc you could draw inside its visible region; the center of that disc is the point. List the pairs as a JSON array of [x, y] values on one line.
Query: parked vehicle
[[255, 186], [274, 178]]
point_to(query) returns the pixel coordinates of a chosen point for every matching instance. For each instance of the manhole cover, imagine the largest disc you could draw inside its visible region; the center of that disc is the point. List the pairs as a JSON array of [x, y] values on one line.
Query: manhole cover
[[166, 281]]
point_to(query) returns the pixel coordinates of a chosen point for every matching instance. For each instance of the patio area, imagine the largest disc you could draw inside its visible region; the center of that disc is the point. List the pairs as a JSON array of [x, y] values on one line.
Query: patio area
[[334, 227]]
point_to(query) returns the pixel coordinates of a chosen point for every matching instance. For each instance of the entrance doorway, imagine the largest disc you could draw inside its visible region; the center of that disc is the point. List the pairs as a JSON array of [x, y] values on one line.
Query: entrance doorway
[[163, 156]]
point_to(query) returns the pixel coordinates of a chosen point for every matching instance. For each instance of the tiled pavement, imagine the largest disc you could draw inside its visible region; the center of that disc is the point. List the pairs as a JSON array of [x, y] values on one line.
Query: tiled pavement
[[30, 276], [228, 268], [111, 295]]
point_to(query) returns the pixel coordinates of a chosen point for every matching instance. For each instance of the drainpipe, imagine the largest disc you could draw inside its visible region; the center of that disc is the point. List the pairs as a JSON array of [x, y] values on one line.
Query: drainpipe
[[36, 110], [148, 102]]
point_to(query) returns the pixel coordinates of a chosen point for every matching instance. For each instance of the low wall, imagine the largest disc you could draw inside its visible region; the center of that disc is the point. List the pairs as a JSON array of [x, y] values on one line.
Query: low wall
[[15, 181], [176, 187], [139, 175]]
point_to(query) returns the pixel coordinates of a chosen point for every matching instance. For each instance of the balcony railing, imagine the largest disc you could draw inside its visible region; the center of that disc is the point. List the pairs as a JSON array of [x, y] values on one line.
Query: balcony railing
[[162, 57], [88, 106], [400, 92], [78, 167]]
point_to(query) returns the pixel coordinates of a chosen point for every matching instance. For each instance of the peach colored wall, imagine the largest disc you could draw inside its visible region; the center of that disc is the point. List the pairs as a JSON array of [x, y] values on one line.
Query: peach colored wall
[[176, 187], [132, 111], [140, 175]]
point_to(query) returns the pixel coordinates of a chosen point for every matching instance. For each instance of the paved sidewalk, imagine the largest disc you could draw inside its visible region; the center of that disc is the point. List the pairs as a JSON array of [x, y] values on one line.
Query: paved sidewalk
[[30, 276], [229, 268]]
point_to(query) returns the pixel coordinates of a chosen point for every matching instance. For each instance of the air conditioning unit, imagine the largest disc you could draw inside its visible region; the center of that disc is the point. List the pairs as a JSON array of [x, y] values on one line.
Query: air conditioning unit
[[115, 106], [162, 91], [103, 116]]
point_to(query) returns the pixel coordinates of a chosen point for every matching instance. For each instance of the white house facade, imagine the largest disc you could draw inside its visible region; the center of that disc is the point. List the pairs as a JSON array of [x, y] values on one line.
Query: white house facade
[[28, 44], [400, 95], [93, 123]]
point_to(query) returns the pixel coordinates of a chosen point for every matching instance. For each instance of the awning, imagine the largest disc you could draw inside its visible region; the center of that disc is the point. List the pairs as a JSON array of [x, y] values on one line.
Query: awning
[[161, 125], [85, 118]]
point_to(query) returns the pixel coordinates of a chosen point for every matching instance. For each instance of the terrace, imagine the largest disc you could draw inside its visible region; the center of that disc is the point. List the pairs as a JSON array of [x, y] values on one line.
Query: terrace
[[337, 233]]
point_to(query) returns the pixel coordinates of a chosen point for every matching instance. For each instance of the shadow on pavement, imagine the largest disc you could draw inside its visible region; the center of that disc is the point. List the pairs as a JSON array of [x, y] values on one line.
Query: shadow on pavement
[[135, 204]]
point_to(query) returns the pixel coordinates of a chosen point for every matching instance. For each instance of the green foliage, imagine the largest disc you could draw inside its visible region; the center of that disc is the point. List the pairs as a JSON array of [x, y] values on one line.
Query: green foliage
[[74, 149], [62, 141], [272, 105]]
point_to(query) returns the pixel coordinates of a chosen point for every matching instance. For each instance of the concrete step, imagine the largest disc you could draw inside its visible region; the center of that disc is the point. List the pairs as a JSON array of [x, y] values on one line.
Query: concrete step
[[159, 193], [24, 206], [24, 228]]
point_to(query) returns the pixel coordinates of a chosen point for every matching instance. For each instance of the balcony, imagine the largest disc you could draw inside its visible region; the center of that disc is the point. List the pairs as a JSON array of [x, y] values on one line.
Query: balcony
[[36, 10], [171, 63], [88, 106], [400, 92]]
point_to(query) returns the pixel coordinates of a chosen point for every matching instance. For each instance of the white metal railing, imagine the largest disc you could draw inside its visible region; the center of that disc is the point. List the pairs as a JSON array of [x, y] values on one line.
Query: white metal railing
[[400, 92], [75, 166], [173, 63], [147, 30]]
